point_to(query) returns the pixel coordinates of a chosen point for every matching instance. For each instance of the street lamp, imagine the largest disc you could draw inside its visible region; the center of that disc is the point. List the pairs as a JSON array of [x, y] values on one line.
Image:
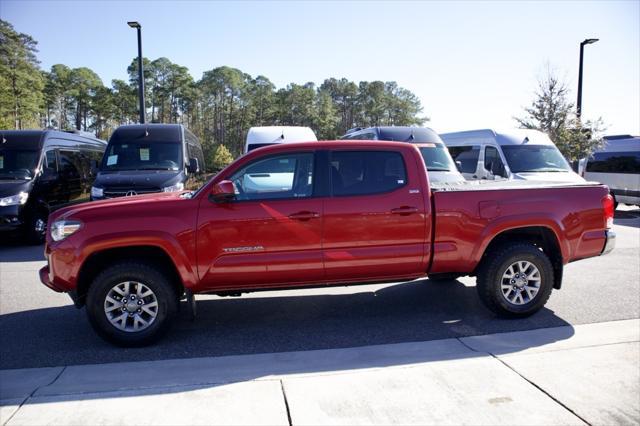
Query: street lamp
[[579, 103], [136, 25]]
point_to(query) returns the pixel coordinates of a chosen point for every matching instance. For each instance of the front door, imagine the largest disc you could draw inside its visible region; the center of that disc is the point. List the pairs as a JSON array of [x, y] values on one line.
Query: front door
[[270, 234], [375, 223]]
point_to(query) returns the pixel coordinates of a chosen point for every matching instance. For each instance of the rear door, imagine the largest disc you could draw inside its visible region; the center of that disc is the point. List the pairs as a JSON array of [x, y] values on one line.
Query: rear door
[[375, 223], [270, 235]]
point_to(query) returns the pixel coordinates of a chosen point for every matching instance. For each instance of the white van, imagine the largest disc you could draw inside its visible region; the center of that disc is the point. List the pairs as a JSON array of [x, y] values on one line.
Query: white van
[[519, 154], [272, 135], [617, 165]]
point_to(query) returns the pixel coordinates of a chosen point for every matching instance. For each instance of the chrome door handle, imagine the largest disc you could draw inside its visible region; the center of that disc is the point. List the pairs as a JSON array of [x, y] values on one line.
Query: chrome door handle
[[304, 215], [404, 210]]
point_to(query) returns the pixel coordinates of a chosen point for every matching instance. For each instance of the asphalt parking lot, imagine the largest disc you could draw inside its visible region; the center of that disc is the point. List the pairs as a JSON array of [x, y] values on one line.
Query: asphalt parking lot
[[40, 328]]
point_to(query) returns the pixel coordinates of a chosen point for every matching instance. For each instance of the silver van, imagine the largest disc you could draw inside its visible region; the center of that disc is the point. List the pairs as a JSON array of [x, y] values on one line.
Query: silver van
[[518, 154]]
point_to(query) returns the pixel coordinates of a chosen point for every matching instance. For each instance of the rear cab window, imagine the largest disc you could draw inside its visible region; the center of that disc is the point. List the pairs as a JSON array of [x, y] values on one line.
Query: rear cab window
[[366, 172]]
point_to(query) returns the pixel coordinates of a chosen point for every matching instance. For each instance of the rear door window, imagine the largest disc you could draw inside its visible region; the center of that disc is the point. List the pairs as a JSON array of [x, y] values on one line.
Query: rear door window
[[366, 172], [465, 157]]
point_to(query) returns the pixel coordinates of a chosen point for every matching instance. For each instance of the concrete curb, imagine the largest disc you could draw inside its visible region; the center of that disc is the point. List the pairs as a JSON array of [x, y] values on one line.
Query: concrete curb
[[489, 375]]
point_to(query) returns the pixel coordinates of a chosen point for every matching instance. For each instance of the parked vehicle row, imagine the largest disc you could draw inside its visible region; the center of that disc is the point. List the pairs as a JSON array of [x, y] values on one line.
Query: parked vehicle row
[[41, 170], [324, 213]]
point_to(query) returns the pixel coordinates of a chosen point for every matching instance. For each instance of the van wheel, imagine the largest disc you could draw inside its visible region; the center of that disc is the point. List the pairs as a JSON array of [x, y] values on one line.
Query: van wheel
[[36, 228], [515, 280], [131, 304]]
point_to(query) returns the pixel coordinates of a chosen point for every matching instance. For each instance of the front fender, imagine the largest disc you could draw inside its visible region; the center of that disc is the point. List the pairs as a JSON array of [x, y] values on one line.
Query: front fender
[[159, 239]]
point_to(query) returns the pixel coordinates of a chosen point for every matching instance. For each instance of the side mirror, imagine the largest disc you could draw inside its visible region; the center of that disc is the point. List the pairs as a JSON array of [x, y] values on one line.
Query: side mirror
[[193, 167], [223, 191], [459, 164]]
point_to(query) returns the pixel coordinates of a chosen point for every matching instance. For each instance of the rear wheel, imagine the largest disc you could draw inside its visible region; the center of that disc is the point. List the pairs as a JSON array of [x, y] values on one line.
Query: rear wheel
[[515, 280], [131, 304]]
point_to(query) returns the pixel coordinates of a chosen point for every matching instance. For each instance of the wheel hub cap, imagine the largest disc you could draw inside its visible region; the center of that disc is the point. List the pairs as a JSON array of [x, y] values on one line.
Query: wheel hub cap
[[131, 306], [520, 283]]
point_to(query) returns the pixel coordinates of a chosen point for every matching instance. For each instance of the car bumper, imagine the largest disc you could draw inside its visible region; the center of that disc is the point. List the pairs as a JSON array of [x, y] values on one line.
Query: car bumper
[[610, 242], [46, 279], [10, 218]]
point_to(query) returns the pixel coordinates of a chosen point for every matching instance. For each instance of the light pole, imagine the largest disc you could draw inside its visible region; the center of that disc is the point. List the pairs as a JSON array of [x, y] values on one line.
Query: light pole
[[579, 103], [136, 25]]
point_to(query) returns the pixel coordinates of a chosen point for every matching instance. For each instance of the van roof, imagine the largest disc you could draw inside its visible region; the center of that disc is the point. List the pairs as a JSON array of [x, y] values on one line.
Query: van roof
[[33, 139], [152, 132], [631, 143], [501, 137], [280, 134]]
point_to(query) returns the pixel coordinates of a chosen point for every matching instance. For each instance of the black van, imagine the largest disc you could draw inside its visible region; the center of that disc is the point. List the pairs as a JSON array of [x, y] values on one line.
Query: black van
[[41, 170], [146, 158]]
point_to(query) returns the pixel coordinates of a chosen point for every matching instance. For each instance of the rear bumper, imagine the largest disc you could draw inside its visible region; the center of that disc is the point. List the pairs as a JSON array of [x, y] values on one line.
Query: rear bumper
[[610, 242]]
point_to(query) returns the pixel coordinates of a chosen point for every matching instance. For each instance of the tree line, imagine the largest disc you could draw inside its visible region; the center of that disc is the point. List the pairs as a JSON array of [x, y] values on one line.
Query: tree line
[[219, 108]]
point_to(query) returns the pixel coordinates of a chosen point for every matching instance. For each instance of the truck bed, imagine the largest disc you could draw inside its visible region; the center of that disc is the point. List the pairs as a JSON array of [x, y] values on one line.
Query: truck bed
[[466, 215]]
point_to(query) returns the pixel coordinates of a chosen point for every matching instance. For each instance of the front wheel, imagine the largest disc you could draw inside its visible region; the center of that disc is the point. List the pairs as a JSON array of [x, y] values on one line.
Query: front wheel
[[515, 280], [131, 304]]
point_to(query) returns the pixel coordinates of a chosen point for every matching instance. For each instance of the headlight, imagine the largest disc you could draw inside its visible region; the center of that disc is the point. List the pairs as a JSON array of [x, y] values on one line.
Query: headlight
[[97, 192], [174, 188], [61, 229], [14, 200]]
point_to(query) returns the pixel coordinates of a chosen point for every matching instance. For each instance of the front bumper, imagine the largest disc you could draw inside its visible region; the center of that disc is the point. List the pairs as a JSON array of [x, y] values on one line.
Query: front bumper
[[45, 278], [610, 242], [10, 218]]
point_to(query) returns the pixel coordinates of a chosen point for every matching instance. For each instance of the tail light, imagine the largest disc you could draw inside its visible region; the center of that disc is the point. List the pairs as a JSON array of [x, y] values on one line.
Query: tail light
[[607, 205]]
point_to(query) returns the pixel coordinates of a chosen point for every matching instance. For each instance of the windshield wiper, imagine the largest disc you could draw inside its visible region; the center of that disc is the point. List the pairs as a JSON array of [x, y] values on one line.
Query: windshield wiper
[[157, 168], [431, 169]]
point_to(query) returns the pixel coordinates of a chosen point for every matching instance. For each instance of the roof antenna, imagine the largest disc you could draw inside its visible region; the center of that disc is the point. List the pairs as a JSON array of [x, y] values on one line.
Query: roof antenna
[[412, 137], [282, 135]]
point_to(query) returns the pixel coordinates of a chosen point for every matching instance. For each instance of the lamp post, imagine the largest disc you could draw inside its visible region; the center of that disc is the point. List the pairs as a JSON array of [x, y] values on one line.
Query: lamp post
[[579, 103], [136, 25]]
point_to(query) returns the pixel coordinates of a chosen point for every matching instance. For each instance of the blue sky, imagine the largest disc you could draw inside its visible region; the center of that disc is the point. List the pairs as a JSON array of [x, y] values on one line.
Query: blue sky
[[472, 64]]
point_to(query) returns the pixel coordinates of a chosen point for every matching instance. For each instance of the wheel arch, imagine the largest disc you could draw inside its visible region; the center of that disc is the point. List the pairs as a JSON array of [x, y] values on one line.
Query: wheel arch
[[543, 237], [99, 260]]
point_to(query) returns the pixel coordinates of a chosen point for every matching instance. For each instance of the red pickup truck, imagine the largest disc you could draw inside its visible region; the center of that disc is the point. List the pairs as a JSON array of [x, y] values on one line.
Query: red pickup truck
[[318, 214]]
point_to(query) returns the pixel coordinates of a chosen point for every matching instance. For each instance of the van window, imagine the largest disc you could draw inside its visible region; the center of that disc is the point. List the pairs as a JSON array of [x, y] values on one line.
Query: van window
[[276, 177], [258, 145], [131, 155], [492, 160], [69, 164], [465, 157], [436, 158], [17, 163], [50, 161], [534, 158], [366, 172], [614, 162]]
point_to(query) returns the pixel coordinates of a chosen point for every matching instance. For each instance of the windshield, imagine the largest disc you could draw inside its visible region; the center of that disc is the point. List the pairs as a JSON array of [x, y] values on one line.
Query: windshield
[[437, 158], [142, 156], [17, 163], [534, 158]]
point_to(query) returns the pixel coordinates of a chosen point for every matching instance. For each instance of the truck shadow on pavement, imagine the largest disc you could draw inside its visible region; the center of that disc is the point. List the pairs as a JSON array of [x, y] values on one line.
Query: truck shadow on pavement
[[280, 335], [16, 251], [266, 323]]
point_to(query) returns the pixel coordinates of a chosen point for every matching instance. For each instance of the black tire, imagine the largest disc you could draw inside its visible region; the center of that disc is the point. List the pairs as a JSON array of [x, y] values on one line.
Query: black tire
[[149, 275], [36, 236], [444, 277], [496, 263]]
